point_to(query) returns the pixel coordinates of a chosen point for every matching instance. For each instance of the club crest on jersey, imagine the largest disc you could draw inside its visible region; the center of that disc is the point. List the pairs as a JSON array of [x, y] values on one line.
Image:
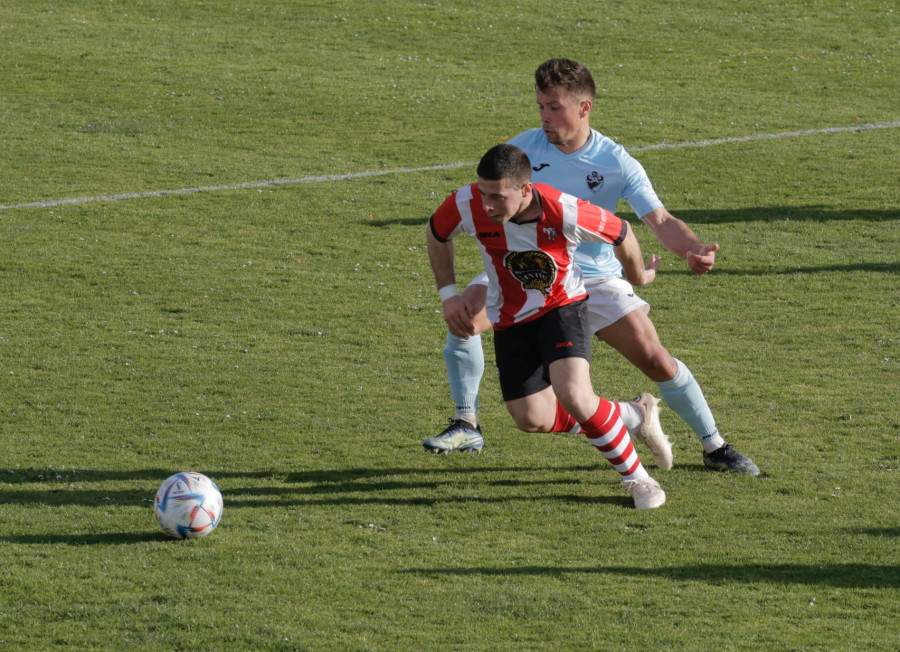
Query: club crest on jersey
[[549, 233], [535, 270], [594, 181]]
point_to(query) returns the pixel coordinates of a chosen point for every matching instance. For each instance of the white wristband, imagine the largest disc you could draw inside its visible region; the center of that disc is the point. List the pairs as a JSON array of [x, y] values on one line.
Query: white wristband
[[448, 292]]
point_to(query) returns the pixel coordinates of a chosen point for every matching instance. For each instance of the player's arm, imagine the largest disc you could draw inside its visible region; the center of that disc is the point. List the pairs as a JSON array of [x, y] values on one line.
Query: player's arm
[[456, 314], [677, 237], [628, 251], [601, 225]]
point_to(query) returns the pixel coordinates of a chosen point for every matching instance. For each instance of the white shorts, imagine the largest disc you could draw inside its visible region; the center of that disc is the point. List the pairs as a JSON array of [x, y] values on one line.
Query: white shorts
[[609, 299]]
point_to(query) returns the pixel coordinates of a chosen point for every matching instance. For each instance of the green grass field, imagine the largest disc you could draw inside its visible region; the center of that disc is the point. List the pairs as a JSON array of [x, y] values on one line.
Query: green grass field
[[212, 257]]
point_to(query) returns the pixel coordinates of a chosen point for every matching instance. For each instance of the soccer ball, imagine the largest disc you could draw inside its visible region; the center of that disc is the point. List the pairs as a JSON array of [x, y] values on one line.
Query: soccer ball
[[188, 505]]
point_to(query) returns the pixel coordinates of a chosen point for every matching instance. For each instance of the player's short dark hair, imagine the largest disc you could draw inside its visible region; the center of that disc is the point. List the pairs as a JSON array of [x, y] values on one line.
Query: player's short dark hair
[[565, 73], [505, 162]]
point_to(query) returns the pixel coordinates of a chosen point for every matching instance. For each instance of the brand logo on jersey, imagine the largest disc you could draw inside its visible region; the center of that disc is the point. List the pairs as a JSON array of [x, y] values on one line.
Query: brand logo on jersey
[[535, 270], [564, 345], [594, 181], [541, 167], [549, 233], [488, 234]]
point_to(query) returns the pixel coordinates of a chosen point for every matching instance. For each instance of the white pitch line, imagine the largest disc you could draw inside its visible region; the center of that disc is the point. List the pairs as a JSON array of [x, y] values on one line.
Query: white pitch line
[[785, 134], [235, 186], [447, 166]]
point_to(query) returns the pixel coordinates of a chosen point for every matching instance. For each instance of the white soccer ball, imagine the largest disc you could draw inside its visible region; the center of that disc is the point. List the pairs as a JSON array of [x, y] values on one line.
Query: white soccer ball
[[188, 505]]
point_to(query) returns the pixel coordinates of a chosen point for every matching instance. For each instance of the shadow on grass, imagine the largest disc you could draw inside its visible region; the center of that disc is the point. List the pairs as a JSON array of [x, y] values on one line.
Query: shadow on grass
[[784, 214], [431, 501], [877, 531], [354, 486], [106, 538], [344, 487], [741, 215], [343, 476], [51, 474], [883, 268], [72, 486], [838, 575]]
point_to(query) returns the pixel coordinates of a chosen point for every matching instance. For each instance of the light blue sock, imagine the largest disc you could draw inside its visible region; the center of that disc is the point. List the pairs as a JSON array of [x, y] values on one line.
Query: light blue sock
[[465, 367], [683, 395]]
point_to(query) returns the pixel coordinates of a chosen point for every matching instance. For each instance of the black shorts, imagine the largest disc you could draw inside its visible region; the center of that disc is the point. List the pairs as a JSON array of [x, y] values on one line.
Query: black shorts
[[524, 351]]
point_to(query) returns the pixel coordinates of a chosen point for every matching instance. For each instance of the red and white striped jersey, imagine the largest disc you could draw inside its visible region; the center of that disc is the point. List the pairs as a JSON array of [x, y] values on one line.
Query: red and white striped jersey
[[530, 266]]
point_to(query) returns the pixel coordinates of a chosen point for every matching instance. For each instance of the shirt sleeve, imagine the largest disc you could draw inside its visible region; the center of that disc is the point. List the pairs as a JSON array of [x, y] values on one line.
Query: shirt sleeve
[[637, 189], [446, 222], [595, 224]]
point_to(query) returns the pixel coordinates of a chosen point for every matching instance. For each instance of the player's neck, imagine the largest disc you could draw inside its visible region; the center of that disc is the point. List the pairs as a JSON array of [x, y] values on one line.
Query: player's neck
[[531, 213], [574, 144]]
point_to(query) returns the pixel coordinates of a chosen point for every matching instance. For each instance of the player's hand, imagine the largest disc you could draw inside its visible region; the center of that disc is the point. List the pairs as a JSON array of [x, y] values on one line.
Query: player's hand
[[703, 260], [650, 269], [457, 316]]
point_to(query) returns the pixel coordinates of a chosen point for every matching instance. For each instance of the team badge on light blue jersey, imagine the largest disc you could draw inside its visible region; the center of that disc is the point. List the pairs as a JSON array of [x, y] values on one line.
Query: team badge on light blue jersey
[[594, 181]]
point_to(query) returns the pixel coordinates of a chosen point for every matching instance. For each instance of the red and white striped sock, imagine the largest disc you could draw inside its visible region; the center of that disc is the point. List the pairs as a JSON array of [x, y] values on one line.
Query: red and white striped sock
[[565, 422], [608, 434]]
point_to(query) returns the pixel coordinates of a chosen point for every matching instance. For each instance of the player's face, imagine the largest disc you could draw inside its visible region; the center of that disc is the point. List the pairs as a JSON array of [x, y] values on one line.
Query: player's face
[[503, 200], [564, 118]]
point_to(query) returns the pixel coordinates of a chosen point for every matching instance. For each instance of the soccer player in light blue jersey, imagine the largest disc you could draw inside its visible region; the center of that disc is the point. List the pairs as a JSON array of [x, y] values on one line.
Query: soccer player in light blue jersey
[[566, 153]]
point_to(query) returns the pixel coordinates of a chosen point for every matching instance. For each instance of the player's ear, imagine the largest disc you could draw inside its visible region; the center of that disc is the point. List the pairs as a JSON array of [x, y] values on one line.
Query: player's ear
[[584, 107]]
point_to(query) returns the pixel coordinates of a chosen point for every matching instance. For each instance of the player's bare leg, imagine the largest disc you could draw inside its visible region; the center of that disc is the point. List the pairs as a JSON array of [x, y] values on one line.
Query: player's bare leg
[[600, 421], [635, 337]]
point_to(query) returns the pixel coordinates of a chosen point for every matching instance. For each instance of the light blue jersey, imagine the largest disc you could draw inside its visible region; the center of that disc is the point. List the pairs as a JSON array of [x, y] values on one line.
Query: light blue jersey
[[601, 172]]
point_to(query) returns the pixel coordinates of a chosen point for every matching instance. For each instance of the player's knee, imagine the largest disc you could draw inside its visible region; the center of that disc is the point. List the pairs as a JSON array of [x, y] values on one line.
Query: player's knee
[[657, 364], [529, 420], [529, 425]]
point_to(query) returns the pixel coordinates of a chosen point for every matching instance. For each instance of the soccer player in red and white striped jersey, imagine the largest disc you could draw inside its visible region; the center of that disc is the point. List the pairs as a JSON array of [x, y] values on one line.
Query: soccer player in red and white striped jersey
[[527, 234]]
